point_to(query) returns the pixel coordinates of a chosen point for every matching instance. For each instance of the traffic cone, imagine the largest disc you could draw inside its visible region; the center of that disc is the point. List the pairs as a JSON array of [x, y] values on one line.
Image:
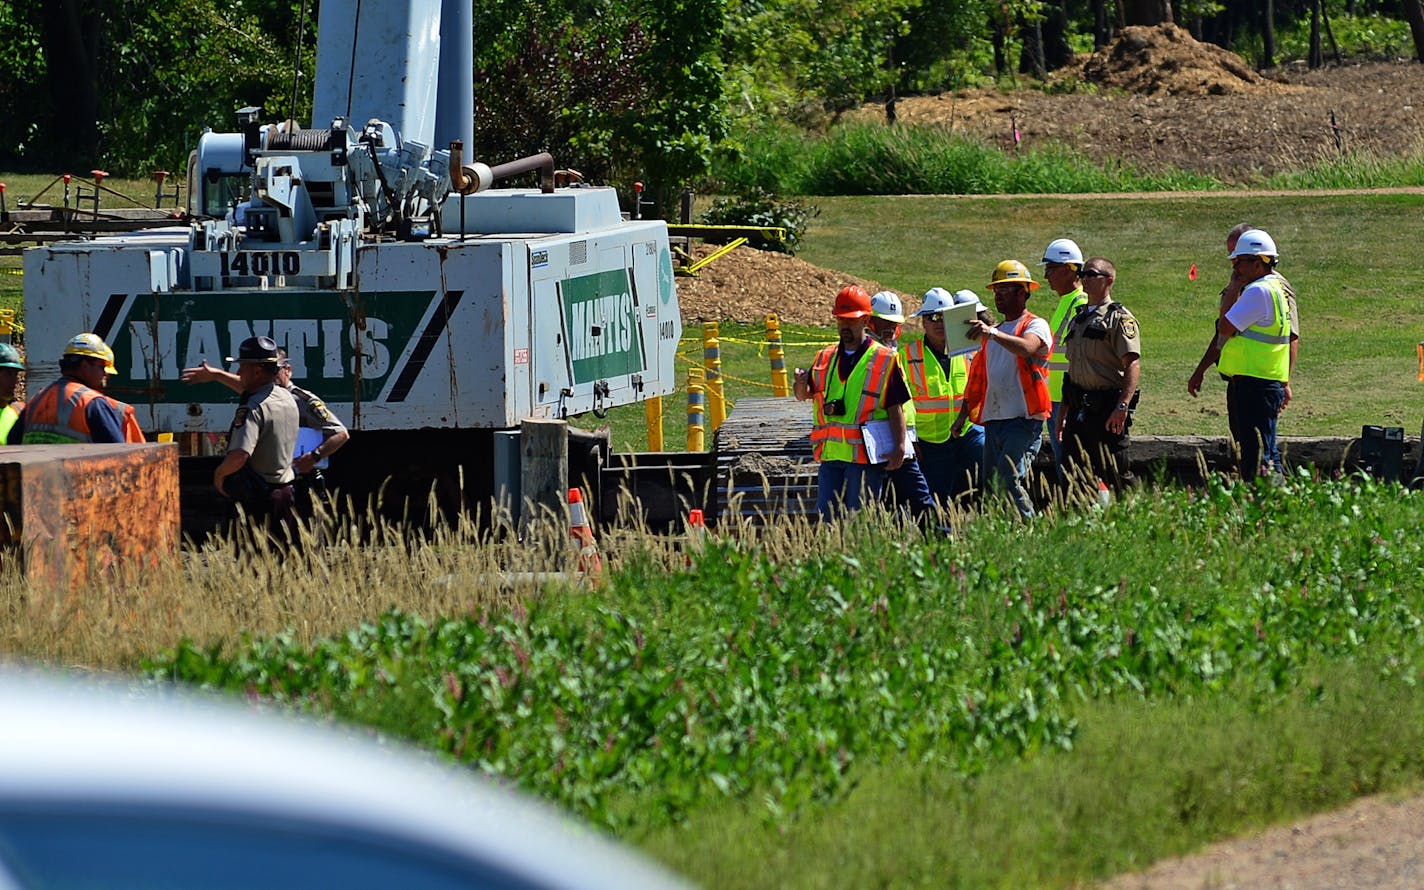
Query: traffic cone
[[696, 532], [590, 564], [1104, 494]]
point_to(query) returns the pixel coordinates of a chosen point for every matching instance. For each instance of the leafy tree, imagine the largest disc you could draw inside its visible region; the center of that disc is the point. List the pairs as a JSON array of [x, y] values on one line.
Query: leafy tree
[[619, 89]]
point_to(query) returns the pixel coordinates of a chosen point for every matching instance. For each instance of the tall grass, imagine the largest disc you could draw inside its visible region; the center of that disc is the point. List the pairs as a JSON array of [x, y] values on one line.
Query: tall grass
[[863, 158], [872, 159], [1257, 647]]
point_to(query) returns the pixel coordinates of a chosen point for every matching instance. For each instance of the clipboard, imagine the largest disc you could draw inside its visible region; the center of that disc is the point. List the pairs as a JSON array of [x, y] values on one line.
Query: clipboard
[[955, 317], [880, 441]]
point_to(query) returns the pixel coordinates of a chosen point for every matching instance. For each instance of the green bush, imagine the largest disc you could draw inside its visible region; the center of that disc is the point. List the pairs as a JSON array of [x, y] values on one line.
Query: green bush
[[756, 207]]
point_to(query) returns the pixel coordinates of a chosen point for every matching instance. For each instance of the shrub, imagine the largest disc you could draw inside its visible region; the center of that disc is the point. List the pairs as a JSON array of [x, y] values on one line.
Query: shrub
[[758, 207]]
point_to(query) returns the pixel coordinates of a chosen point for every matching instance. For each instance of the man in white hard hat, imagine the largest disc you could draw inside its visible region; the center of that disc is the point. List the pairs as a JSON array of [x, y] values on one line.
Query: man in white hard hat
[[1256, 353], [1229, 294], [1008, 385], [938, 374], [908, 487], [74, 408], [1062, 261]]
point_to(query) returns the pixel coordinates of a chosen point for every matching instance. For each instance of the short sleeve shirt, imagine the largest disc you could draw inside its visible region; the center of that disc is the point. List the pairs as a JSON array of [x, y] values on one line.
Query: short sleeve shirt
[[897, 391], [1290, 304], [265, 427], [1003, 396], [1098, 339], [1255, 306], [313, 413]]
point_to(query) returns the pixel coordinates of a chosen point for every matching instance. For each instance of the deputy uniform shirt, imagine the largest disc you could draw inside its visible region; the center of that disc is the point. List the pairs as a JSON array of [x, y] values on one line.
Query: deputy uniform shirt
[[1098, 339], [265, 427], [313, 413]]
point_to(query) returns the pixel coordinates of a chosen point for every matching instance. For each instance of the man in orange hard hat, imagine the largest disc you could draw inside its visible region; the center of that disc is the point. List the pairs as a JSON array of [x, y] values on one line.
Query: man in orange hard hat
[[73, 408], [859, 395]]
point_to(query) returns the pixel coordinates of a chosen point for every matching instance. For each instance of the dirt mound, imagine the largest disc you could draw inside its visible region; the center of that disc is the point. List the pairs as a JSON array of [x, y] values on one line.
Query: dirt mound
[[1166, 60], [747, 283]]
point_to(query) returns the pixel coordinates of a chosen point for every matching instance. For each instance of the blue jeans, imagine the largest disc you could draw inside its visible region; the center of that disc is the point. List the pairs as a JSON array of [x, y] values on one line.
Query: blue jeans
[[953, 467], [1009, 449], [1252, 406], [842, 487], [909, 489]]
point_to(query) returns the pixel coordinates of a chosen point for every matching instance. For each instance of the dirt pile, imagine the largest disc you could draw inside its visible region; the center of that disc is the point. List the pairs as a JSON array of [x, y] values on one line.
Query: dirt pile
[[748, 283], [1167, 60]]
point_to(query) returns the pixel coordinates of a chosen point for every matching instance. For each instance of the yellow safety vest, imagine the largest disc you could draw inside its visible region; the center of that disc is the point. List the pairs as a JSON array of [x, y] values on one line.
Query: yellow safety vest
[[1058, 360], [8, 415], [1261, 351], [839, 437], [937, 398]]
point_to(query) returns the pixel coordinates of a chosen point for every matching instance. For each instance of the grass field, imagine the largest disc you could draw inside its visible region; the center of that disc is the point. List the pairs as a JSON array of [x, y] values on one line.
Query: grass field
[[1344, 254]]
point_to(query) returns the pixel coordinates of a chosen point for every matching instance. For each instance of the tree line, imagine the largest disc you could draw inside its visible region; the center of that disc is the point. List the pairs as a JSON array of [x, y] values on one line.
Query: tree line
[[618, 89]]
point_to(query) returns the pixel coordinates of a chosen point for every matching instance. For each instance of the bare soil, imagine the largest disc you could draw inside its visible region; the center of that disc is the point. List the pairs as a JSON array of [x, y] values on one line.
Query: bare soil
[[1157, 99]]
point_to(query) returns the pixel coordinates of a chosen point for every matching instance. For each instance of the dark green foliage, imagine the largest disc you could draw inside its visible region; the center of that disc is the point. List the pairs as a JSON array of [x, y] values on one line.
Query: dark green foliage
[[753, 674], [632, 92], [760, 208]]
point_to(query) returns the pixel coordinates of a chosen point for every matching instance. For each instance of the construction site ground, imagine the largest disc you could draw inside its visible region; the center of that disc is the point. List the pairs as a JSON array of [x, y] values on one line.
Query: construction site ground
[[1158, 99]]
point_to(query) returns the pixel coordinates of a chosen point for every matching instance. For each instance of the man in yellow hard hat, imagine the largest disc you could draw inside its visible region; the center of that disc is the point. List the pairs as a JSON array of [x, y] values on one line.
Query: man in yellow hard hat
[[73, 409], [11, 365], [1008, 384]]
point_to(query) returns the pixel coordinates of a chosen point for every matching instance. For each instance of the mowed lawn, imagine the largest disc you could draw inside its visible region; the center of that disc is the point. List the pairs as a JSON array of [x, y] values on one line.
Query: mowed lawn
[[1350, 257]]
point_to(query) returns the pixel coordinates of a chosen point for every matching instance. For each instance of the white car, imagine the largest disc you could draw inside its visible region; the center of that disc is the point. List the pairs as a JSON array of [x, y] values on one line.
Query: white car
[[127, 785]]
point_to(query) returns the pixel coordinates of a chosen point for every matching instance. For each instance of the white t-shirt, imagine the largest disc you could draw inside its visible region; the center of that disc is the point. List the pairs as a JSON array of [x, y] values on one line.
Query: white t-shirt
[[1003, 397], [1254, 306]]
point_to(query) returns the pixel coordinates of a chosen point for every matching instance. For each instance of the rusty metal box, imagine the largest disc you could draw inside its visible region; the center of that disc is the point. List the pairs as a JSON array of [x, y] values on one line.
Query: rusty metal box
[[71, 511]]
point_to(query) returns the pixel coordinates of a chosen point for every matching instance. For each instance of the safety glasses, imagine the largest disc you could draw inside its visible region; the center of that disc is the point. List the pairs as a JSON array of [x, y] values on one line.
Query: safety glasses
[[935, 316], [1092, 273]]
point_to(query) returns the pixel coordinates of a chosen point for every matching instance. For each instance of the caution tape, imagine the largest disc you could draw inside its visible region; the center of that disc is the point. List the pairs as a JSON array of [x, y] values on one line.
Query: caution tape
[[725, 375]]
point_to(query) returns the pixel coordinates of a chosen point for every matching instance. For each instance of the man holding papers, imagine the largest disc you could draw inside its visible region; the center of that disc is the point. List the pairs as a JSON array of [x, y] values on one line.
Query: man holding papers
[[1008, 384], [853, 383]]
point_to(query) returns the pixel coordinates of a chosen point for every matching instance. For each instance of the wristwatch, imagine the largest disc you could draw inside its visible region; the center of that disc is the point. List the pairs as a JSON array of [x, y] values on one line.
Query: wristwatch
[[1122, 406]]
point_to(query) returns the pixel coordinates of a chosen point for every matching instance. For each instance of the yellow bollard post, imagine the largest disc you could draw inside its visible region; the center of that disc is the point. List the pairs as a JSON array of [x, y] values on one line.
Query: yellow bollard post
[[696, 431], [712, 363], [653, 410], [779, 387]]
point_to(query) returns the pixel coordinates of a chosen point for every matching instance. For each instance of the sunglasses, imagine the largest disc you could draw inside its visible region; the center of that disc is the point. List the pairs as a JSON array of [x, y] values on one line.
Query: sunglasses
[[935, 316], [1092, 273]]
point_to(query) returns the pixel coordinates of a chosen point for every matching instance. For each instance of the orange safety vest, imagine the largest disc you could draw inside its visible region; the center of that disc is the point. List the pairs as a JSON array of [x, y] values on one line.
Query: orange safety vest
[[1033, 377], [842, 439], [59, 415]]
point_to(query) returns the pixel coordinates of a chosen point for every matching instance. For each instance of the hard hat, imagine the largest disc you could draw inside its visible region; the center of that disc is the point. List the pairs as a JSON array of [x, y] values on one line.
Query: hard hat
[[852, 302], [10, 357], [887, 305], [1012, 272], [937, 299], [92, 346], [1062, 250], [961, 297], [1254, 242]]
